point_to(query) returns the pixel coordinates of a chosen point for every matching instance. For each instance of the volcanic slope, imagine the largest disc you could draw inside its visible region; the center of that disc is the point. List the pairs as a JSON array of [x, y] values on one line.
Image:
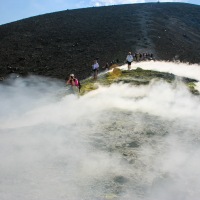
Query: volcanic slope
[[60, 43]]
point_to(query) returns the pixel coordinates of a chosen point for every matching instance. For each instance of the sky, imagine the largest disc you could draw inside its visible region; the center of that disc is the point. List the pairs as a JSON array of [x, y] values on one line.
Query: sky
[[13, 10]]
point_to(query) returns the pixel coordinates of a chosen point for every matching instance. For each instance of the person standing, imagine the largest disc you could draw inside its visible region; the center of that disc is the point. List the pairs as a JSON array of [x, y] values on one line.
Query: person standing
[[95, 68], [129, 60], [75, 84]]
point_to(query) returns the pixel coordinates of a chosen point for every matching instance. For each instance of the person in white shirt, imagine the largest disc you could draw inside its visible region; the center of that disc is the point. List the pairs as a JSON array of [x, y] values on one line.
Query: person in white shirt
[[95, 68], [129, 60]]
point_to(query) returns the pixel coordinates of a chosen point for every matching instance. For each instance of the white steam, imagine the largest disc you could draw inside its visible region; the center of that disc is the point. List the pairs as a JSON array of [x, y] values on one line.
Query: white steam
[[179, 69], [117, 142], [115, 2]]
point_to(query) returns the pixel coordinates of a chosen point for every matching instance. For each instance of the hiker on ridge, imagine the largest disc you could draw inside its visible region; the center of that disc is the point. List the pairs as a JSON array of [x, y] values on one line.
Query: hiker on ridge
[[129, 60], [95, 68], [74, 82]]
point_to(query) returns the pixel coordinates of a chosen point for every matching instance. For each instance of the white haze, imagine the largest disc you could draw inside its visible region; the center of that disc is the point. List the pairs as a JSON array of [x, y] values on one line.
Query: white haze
[[177, 68], [115, 2], [118, 142]]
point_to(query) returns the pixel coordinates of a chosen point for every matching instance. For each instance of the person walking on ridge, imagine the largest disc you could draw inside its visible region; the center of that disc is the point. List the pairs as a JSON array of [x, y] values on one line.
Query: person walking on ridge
[[95, 68], [129, 60]]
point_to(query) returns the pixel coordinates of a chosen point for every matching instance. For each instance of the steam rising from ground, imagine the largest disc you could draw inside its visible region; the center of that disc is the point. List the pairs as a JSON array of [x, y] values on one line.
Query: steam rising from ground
[[120, 142], [179, 69]]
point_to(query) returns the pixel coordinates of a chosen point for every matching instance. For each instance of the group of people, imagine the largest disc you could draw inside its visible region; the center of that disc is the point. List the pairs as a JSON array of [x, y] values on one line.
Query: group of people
[[143, 56], [138, 57], [75, 84]]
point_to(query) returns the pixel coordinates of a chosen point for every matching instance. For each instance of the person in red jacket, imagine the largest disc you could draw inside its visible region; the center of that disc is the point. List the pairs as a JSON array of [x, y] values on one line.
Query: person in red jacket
[[74, 82]]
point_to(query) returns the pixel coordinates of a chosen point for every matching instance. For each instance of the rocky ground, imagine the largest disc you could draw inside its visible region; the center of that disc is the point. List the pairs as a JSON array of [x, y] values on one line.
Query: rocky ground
[[61, 43]]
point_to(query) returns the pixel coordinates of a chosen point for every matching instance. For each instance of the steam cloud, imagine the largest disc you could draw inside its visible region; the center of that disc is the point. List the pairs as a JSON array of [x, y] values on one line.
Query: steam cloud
[[117, 142], [114, 2]]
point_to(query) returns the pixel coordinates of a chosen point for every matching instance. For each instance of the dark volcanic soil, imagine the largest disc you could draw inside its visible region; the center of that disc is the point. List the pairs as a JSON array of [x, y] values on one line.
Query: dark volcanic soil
[[65, 42]]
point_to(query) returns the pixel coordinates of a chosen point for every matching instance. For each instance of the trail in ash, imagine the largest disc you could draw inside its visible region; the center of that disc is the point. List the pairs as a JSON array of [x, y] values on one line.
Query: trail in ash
[[117, 142]]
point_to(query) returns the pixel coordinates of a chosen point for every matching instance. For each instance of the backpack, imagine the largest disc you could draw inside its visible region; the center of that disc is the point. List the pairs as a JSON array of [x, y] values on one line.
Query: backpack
[[77, 83]]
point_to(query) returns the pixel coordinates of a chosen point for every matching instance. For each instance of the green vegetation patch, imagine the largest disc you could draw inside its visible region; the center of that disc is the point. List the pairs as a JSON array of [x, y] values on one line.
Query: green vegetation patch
[[88, 85], [191, 87], [133, 77]]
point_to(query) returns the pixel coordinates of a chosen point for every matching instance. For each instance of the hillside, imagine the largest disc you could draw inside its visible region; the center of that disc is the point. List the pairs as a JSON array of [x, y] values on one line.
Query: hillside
[[66, 42]]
